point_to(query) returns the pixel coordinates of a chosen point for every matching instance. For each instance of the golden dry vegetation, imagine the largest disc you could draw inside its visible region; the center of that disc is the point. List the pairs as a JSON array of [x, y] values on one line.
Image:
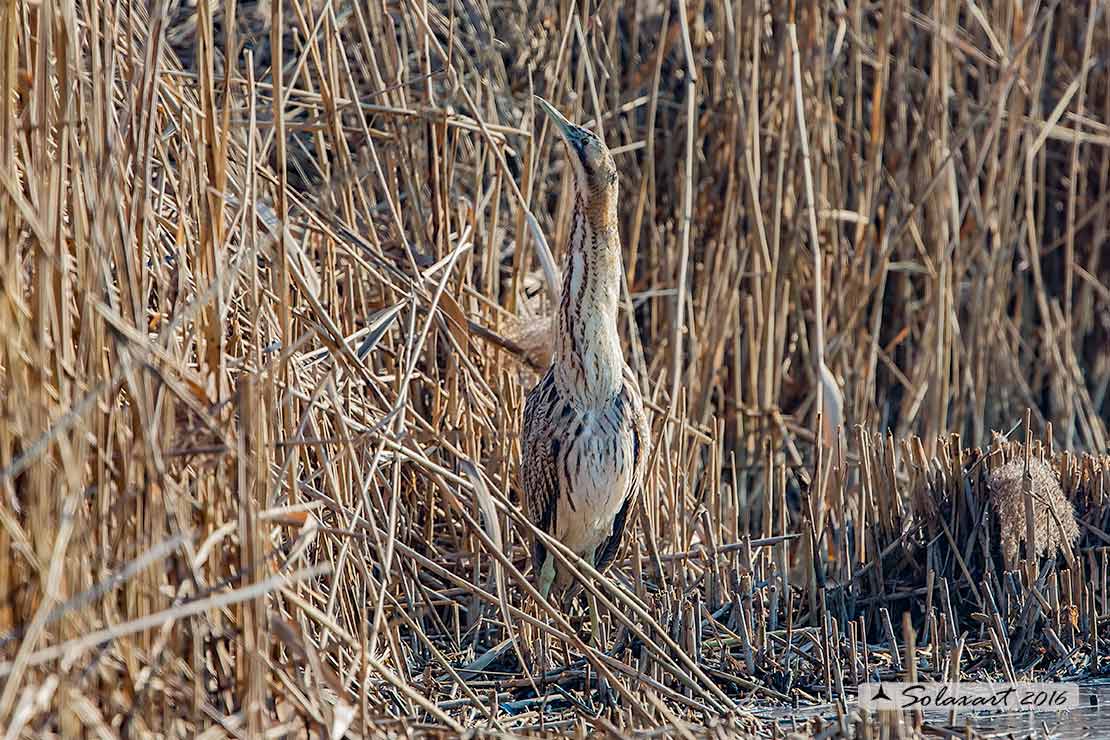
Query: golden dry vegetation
[[271, 296]]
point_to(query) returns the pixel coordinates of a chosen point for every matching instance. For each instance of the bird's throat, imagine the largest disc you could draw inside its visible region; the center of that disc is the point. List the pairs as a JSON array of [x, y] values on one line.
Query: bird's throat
[[589, 362]]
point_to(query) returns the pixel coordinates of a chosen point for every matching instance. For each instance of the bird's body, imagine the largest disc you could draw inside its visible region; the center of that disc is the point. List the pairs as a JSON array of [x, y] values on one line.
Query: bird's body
[[585, 437], [583, 469]]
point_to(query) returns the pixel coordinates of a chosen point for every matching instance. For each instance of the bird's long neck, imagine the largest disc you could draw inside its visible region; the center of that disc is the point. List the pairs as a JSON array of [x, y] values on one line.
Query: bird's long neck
[[589, 363]]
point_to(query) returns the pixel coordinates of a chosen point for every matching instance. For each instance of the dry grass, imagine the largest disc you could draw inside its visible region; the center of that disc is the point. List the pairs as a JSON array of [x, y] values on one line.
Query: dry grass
[[262, 358]]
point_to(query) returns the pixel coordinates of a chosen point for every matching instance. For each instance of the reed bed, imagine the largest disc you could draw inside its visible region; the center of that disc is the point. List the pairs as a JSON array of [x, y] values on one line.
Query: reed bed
[[273, 292]]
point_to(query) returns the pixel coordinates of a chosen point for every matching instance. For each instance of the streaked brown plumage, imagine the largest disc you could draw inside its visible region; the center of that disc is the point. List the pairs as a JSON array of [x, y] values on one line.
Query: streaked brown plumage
[[585, 439]]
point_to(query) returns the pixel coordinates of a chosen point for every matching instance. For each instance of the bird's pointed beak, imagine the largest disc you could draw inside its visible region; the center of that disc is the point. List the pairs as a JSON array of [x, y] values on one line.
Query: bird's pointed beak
[[562, 125]]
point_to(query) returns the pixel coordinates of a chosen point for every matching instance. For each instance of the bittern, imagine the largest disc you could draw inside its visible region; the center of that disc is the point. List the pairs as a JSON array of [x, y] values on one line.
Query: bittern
[[585, 439]]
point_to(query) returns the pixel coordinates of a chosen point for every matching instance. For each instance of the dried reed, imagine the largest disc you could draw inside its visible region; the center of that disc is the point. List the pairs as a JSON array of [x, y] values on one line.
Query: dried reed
[[261, 357]]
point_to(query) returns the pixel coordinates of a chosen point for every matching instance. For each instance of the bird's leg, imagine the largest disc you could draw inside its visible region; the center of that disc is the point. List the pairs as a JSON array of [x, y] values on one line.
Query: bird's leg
[[591, 604], [604, 692], [595, 623], [547, 576], [543, 585]]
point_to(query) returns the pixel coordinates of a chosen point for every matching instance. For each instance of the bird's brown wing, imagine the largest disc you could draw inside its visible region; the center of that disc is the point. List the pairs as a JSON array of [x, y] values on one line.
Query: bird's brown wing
[[538, 467], [609, 548], [640, 443]]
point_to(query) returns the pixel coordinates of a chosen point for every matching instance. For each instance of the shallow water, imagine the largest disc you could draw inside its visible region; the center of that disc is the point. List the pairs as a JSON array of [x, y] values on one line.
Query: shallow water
[[1090, 720]]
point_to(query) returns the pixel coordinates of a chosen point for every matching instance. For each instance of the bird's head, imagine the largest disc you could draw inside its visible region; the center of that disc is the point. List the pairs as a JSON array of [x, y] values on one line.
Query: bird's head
[[594, 169]]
